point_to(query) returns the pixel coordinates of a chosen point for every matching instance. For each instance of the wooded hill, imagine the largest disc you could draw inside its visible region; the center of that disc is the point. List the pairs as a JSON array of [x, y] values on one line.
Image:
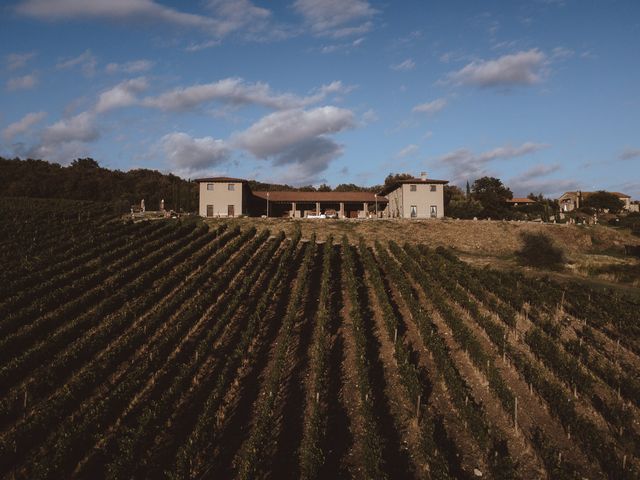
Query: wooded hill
[[84, 179]]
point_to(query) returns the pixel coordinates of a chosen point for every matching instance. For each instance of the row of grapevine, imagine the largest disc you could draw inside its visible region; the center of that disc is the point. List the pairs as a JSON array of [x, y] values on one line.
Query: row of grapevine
[[127, 285], [66, 442], [563, 405], [459, 284], [471, 411], [54, 286], [189, 460], [99, 239], [312, 450], [409, 373], [143, 420], [97, 365], [251, 459], [66, 294], [372, 443]]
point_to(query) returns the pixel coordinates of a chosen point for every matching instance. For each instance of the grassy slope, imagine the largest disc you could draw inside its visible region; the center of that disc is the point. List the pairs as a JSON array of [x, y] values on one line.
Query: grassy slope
[[480, 242]]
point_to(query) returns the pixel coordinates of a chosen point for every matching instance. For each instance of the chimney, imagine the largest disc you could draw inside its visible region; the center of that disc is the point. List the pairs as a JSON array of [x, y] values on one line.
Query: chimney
[[423, 175]]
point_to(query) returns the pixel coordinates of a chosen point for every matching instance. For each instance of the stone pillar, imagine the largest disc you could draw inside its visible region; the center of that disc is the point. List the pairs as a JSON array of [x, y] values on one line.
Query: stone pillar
[[365, 207], [317, 208], [341, 209]]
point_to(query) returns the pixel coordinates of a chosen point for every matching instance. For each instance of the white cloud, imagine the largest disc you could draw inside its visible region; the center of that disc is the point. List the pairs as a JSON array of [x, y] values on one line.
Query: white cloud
[[190, 154], [406, 151], [78, 128], [134, 66], [22, 125], [431, 107], [336, 18], [404, 66], [233, 15], [22, 83], [16, 61], [276, 132], [122, 95], [66, 139], [86, 61], [227, 15], [629, 154], [342, 47], [238, 92], [146, 10], [549, 187], [370, 116], [522, 68], [62, 153], [197, 46], [467, 165], [297, 138], [530, 181], [561, 53], [539, 170]]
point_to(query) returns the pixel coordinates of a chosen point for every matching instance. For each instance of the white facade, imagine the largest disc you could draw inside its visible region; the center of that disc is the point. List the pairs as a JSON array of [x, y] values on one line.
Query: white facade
[[221, 198], [416, 200]]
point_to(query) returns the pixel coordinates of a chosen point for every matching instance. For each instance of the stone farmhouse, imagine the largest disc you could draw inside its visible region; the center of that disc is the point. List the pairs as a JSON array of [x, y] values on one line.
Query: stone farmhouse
[[570, 201], [411, 198]]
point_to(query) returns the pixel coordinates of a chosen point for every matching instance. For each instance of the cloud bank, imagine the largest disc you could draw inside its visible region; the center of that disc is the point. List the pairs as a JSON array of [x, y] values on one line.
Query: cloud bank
[[522, 68]]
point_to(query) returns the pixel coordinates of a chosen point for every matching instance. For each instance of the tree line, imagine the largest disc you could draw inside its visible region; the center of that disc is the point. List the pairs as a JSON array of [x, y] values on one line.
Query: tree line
[[85, 179]]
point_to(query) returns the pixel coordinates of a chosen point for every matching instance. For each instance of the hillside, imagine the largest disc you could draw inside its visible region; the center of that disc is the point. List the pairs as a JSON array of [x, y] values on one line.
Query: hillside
[[175, 349]]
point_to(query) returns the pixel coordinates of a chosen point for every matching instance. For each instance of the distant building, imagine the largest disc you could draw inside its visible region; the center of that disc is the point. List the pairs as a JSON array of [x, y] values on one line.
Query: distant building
[[415, 198], [570, 201], [231, 197], [224, 197], [520, 201]]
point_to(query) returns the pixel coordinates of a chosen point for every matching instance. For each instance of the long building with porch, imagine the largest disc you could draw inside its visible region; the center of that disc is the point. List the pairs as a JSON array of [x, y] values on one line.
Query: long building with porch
[[409, 198]]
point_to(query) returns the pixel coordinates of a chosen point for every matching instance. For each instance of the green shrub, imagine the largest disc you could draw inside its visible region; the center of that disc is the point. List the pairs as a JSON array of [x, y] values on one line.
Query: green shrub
[[539, 251]]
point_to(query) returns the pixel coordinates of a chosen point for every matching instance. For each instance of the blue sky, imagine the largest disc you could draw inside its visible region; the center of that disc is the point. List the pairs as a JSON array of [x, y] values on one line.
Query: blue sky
[[544, 94]]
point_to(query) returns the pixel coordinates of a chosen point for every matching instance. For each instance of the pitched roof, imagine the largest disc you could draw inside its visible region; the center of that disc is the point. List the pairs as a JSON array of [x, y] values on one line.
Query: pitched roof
[[521, 200], [334, 197], [220, 179], [586, 194], [428, 181]]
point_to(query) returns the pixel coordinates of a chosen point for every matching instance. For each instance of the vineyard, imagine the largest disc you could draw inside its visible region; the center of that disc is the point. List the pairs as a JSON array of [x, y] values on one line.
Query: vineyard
[[172, 349]]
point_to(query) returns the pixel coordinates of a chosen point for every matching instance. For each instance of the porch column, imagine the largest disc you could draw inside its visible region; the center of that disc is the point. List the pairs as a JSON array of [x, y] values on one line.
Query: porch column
[[341, 209], [293, 209], [317, 208]]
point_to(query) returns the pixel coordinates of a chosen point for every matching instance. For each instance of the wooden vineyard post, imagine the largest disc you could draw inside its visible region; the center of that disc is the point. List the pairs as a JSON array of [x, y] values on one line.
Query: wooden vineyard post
[[395, 336], [504, 348], [624, 462], [515, 415], [418, 408]]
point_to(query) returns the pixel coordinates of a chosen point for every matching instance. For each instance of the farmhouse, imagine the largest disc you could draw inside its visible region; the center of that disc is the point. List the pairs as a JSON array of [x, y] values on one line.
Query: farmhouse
[[410, 198], [519, 201], [570, 201]]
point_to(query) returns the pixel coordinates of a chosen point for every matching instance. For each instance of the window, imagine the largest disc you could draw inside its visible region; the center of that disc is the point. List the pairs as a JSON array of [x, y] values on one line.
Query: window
[[231, 187], [434, 211], [414, 211], [433, 188], [209, 186], [209, 210], [413, 188]]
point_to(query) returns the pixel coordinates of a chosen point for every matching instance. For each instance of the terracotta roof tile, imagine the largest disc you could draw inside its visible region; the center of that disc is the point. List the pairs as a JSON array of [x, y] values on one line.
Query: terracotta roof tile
[[334, 197]]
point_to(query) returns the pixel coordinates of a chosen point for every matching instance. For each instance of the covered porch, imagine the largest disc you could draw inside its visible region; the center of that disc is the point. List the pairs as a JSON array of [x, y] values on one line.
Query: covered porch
[[320, 204]]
